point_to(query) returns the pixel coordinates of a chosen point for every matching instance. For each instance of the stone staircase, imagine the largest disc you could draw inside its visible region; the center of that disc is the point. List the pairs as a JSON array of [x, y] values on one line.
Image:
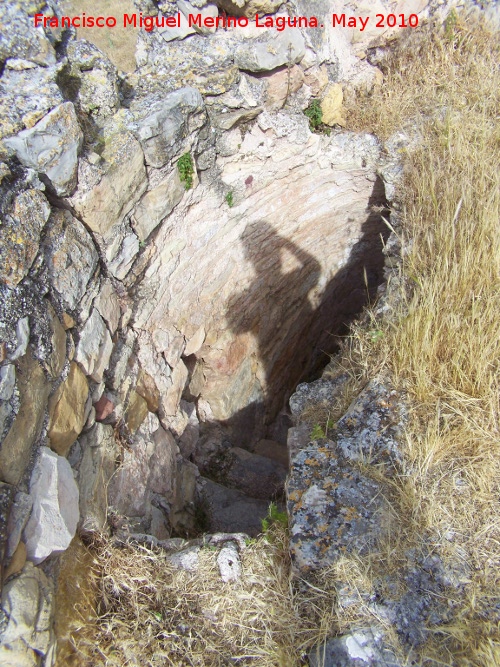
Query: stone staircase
[[237, 487]]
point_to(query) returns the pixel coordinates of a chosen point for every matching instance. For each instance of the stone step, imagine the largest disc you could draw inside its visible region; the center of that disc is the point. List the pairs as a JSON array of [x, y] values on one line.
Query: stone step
[[254, 475], [272, 450], [225, 510]]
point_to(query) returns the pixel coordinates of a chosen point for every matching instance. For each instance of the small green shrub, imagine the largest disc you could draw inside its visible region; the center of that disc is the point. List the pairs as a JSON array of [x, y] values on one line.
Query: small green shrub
[[315, 115], [317, 432], [230, 199], [186, 170], [274, 516]]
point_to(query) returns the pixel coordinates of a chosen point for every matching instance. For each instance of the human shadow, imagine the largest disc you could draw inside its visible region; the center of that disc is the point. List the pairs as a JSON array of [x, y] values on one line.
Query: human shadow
[[295, 339]]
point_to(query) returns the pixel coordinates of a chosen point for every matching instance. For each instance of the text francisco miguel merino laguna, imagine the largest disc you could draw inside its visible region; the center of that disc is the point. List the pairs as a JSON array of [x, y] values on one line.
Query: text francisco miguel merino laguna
[[178, 20]]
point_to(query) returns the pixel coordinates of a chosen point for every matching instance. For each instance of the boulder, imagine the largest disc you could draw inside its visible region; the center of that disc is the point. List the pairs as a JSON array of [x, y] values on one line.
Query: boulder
[[108, 305], [94, 347], [148, 467], [20, 39], [228, 510], [163, 125], [20, 235], [97, 79], [363, 647], [156, 205], [51, 147], [270, 50], [15, 451], [108, 192], [332, 106], [27, 636], [27, 94], [333, 509], [70, 255], [201, 62], [54, 517], [67, 411]]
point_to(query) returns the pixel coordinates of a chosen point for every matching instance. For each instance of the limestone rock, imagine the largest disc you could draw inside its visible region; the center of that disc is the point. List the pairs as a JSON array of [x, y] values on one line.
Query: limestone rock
[[206, 64], [282, 84], [22, 339], [97, 79], [51, 147], [228, 510], [249, 7], [27, 603], [136, 412], [297, 438], [169, 403], [364, 647], [96, 468], [27, 95], [15, 451], [70, 255], [317, 79], [53, 520], [20, 235], [229, 562], [19, 515], [121, 247], [372, 426], [333, 508], [191, 432], [148, 468], [20, 39], [186, 559], [107, 193], [94, 347], [108, 305], [146, 387], [163, 125], [6, 497], [270, 50], [319, 392], [332, 106], [156, 205], [67, 411], [57, 357], [7, 381]]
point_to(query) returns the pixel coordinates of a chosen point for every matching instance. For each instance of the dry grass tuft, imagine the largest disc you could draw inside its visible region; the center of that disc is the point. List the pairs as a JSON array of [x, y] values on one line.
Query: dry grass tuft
[[151, 613], [443, 345]]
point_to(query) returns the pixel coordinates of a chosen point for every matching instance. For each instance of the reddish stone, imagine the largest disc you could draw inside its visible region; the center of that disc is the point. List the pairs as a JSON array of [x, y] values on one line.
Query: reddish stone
[[103, 408]]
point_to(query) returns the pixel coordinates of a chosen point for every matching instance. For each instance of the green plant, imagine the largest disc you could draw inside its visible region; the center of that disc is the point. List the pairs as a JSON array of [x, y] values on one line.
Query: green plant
[[315, 115], [450, 25], [274, 516], [230, 199], [317, 432], [186, 170]]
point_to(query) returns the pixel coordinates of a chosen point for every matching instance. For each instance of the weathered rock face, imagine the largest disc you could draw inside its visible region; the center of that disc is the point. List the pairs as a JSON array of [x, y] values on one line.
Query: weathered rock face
[[261, 294], [147, 321]]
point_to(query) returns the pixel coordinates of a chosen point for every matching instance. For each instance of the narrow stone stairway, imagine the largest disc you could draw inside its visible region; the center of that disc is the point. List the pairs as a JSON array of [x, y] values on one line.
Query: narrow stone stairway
[[237, 487]]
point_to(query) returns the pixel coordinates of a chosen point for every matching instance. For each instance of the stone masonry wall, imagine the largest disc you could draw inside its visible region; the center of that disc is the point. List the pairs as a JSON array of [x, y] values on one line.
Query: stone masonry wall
[[133, 309]]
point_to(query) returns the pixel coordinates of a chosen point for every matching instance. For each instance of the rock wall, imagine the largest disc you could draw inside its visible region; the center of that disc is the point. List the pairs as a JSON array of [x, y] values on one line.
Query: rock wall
[[135, 311]]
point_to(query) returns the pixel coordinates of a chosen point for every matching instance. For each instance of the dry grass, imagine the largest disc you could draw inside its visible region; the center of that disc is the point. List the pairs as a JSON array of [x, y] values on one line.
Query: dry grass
[[441, 346], [151, 613]]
